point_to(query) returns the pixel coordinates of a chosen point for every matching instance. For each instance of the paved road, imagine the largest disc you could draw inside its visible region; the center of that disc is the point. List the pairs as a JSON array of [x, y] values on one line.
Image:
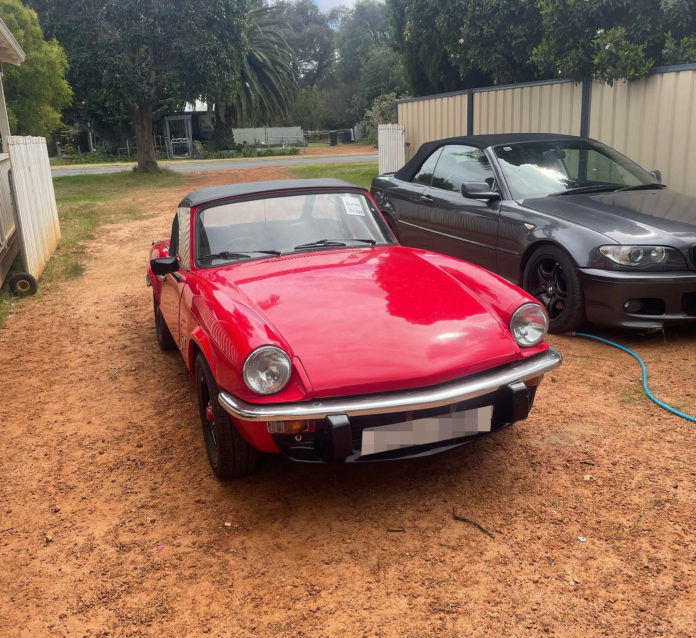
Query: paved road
[[221, 165]]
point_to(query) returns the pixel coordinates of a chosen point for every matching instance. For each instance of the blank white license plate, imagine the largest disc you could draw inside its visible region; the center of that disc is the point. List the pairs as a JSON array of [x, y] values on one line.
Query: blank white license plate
[[424, 431]]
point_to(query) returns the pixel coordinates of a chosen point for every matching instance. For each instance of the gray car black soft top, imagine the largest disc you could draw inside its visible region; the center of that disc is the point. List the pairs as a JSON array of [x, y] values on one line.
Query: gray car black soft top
[[214, 193], [409, 170]]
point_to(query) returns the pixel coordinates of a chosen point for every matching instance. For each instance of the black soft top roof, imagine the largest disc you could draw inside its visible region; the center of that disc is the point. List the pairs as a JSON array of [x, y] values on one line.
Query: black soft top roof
[[408, 171], [204, 195]]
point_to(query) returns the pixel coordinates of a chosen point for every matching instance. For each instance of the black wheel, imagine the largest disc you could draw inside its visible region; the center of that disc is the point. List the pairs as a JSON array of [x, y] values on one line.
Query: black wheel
[[550, 276], [23, 284], [229, 454], [164, 337]]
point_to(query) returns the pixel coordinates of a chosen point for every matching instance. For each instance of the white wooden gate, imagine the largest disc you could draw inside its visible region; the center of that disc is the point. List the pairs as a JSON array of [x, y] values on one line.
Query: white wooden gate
[[37, 214], [390, 141]]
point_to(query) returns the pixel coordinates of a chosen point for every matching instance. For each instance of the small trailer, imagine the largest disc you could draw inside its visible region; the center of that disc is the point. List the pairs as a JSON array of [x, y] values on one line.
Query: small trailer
[[28, 214]]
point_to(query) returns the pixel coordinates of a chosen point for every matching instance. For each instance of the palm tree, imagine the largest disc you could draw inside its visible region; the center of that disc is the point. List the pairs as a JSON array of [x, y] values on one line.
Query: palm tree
[[268, 82]]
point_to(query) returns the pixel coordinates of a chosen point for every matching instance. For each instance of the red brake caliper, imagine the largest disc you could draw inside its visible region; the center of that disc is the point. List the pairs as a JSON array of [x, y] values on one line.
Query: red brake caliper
[[209, 414]]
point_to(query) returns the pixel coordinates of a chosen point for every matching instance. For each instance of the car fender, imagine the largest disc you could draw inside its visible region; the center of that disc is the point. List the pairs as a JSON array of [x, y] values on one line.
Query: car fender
[[226, 330]]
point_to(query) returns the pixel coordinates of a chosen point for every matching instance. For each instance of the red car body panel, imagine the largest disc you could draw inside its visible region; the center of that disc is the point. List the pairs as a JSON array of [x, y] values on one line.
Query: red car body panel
[[371, 319]]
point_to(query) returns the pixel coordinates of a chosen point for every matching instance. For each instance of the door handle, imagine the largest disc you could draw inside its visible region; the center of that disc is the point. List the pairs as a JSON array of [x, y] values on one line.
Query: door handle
[[426, 198]]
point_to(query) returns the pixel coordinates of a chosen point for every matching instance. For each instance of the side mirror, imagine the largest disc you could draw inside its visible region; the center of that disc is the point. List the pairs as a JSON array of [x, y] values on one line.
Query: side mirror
[[164, 265], [657, 175], [478, 190]]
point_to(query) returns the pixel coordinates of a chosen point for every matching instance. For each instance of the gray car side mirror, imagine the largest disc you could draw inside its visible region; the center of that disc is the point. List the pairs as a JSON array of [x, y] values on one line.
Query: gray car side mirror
[[657, 175], [478, 190]]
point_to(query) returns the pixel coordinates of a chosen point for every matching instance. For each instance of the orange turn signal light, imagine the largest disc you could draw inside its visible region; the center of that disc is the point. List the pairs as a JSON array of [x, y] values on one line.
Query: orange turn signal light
[[288, 427], [531, 383]]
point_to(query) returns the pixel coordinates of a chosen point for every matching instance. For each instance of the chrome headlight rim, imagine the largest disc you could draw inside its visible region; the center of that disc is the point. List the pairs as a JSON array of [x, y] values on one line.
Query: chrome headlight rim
[[519, 316], [251, 372]]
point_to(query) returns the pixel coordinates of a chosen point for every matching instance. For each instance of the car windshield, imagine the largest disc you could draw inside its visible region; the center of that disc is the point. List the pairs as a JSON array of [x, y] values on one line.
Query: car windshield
[[285, 223], [537, 169]]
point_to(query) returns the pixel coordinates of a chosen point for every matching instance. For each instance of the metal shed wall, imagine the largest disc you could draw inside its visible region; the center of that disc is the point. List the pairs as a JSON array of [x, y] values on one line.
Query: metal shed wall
[[535, 108], [432, 119], [652, 121]]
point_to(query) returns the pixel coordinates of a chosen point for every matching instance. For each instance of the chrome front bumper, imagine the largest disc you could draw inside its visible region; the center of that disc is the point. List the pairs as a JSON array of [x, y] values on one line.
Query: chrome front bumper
[[420, 399]]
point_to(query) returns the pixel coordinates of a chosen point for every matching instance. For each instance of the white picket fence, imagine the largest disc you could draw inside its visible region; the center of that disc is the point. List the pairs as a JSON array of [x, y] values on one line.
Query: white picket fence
[[35, 201], [390, 140]]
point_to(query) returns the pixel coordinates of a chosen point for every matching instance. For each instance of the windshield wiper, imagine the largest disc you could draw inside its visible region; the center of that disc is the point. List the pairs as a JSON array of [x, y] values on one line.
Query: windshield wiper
[[230, 255], [595, 188], [321, 243], [641, 187]]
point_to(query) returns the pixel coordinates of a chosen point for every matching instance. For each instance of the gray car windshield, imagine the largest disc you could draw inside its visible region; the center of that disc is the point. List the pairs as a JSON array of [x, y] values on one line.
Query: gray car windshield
[[537, 169], [277, 224]]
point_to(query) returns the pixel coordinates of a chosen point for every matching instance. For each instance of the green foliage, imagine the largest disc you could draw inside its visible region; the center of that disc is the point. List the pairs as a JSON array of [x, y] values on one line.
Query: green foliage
[[419, 41], [306, 110], [679, 52], [616, 57], [598, 39], [493, 37], [37, 91], [247, 150], [382, 111], [268, 80]]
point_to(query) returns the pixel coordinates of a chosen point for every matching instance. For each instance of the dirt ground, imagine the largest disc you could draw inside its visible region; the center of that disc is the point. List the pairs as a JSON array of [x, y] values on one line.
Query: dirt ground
[[111, 523]]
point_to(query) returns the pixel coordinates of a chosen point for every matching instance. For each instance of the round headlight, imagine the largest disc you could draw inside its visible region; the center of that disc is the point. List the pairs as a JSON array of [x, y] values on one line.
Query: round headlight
[[267, 370], [529, 324]]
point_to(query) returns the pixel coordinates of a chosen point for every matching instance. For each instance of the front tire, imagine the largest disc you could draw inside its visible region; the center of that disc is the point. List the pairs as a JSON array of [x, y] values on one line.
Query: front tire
[[229, 454], [550, 276], [164, 337]]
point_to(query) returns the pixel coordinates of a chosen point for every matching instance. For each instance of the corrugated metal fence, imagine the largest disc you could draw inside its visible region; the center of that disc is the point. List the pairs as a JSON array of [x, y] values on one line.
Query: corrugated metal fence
[[652, 121], [390, 141], [35, 200]]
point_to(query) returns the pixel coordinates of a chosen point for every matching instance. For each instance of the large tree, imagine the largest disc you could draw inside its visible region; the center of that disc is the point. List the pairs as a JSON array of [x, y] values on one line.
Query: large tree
[[138, 52], [310, 36], [37, 91]]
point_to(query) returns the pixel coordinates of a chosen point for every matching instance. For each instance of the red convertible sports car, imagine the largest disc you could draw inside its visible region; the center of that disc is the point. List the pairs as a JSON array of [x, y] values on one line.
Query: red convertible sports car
[[312, 332]]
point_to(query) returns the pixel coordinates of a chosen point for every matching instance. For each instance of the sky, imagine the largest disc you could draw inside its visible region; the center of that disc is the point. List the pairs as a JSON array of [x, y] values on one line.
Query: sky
[[327, 5]]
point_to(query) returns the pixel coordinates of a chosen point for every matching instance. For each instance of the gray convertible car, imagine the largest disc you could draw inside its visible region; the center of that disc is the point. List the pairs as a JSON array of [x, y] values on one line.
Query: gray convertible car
[[584, 229]]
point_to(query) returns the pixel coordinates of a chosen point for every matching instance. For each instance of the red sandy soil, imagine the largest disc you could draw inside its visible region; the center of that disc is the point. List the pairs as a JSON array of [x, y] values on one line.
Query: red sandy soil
[[111, 523]]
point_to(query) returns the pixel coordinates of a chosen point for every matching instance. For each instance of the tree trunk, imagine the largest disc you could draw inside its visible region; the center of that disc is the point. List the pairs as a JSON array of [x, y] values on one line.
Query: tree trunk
[[222, 137], [142, 122]]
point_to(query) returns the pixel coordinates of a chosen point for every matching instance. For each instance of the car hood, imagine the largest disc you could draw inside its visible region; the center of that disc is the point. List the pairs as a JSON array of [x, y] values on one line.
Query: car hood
[[372, 319], [642, 217]]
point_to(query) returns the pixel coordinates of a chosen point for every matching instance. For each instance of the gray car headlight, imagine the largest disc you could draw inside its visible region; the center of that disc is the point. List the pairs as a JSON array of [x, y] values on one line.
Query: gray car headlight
[[267, 370], [529, 324], [646, 257]]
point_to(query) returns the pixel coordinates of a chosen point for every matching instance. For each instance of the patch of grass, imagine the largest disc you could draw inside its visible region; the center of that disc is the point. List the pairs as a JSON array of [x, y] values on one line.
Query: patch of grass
[[632, 394], [359, 174], [84, 203]]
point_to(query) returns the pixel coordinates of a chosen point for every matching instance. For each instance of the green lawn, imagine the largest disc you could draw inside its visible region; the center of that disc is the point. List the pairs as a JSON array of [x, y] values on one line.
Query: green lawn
[[360, 174], [85, 202]]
